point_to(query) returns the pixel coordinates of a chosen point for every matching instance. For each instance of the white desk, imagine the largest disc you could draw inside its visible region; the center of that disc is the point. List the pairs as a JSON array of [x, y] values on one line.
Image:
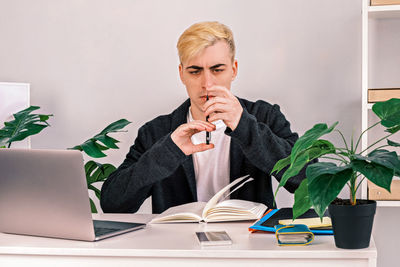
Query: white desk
[[176, 245]]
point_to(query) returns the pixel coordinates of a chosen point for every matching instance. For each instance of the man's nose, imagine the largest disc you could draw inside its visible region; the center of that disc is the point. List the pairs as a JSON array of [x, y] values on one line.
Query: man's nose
[[208, 79]]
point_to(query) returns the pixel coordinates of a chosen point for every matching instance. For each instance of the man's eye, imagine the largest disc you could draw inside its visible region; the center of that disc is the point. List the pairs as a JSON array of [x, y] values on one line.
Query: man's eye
[[194, 72], [218, 70]]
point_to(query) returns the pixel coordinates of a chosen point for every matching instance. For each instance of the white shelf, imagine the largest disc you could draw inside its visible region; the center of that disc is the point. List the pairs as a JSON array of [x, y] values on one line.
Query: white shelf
[[372, 12], [384, 12], [388, 203]]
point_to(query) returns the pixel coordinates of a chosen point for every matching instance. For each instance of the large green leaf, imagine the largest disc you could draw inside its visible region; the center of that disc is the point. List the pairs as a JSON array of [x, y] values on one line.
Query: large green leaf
[[281, 164], [294, 169], [100, 142], [379, 167], [389, 159], [97, 172], [302, 201], [325, 181], [376, 173], [24, 124], [388, 112], [318, 148], [309, 138]]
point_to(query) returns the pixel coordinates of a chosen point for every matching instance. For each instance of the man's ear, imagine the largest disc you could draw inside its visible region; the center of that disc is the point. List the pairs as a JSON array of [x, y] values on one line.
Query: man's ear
[[234, 69], [181, 72]]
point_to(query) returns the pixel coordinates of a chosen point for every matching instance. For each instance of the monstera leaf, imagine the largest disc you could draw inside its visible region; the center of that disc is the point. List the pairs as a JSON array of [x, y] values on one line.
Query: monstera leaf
[[96, 172], [24, 124], [95, 146]]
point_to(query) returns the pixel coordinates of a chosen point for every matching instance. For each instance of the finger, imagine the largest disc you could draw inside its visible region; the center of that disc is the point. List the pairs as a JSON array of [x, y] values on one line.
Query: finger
[[207, 125], [218, 116], [202, 147], [218, 90], [193, 128], [214, 101], [217, 108]]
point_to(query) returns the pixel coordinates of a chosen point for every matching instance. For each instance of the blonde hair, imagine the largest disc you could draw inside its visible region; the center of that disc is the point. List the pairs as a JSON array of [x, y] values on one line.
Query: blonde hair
[[202, 35]]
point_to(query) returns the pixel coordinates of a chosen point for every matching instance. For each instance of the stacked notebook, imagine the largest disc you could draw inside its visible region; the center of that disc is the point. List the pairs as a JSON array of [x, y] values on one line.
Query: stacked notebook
[[274, 217]]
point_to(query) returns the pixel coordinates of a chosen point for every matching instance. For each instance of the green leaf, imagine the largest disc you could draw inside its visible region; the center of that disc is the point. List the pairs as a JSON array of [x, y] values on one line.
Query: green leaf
[[115, 126], [281, 164], [383, 157], [393, 130], [90, 166], [302, 201], [93, 148], [388, 112], [325, 181], [376, 173], [318, 148], [391, 143], [293, 170], [97, 172], [92, 206], [379, 166], [96, 191], [24, 124], [108, 141], [310, 137], [90, 148]]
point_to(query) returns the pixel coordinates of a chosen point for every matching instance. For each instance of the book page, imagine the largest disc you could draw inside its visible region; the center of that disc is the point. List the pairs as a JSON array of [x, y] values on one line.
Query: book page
[[235, 210], [214, 200], [190, 212]]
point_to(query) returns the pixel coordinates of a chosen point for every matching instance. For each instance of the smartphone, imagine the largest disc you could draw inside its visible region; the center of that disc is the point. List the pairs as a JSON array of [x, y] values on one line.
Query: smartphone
[[214, 238]]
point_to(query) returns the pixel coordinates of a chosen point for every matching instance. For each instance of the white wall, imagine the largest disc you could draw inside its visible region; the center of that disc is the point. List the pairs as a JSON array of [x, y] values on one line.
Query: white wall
[[92, 62]]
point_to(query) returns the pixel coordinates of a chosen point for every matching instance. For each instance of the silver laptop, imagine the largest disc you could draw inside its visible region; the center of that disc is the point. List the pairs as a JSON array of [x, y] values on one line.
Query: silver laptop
[[44, 193]]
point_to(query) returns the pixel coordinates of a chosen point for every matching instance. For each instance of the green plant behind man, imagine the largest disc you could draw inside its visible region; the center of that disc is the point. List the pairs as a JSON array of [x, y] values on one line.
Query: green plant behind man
[[94, 147], [24, 124]]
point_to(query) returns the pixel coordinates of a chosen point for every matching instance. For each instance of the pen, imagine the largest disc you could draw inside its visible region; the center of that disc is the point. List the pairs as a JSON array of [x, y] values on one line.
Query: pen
[[208, 134]]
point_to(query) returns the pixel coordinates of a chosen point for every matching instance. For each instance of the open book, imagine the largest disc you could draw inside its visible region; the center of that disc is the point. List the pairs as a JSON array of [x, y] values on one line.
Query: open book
[[215, 210]]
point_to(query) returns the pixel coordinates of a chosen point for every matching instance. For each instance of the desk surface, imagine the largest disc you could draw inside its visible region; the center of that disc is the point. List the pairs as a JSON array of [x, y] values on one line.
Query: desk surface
[[177, 243]]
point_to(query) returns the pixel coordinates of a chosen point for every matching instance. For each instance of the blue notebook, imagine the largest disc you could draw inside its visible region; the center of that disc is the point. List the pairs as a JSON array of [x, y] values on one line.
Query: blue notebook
[[293, 235], [272, 216]]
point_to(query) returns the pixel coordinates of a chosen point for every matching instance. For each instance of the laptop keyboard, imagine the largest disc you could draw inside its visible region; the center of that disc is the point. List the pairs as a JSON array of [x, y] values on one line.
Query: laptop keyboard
[[99, 231]]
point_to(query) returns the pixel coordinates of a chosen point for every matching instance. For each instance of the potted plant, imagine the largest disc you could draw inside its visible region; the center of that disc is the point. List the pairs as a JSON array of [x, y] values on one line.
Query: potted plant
[[347, 164]]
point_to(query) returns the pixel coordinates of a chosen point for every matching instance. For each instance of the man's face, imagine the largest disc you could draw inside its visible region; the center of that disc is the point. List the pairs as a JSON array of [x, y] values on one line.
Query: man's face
[[212, 66]]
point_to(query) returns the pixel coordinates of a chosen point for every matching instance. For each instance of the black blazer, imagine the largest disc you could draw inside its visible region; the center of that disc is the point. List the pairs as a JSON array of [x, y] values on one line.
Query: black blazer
[[156, 167]]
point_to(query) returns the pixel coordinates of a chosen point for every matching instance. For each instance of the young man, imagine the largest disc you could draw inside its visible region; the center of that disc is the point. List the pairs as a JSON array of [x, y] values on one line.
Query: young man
[[170, 159]]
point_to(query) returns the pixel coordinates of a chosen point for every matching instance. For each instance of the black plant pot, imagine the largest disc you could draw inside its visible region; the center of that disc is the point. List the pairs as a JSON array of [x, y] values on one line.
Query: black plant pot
[[352, 225]]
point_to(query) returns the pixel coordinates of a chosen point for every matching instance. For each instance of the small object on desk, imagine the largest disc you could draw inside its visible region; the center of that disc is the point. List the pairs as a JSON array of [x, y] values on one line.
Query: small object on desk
[[310, 222], [293, 235], [273, 216], [212, 238]]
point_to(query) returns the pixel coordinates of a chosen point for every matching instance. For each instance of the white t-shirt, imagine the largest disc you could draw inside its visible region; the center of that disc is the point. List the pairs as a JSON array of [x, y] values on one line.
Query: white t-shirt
[[211, 167]]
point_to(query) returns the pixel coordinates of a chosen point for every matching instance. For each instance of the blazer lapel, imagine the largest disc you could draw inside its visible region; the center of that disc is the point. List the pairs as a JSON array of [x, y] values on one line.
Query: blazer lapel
[[236, 158], [189, 171], [180, 117]]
